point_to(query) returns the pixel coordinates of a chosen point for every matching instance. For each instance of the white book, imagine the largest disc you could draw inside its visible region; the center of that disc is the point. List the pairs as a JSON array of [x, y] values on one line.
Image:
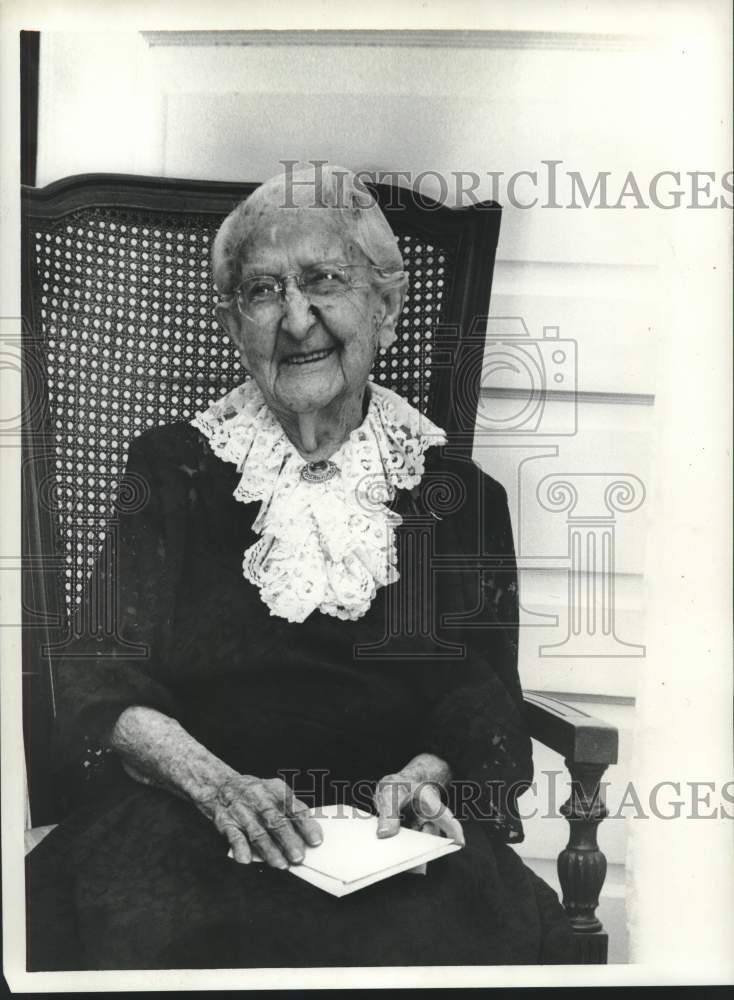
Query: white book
[[352, 856]]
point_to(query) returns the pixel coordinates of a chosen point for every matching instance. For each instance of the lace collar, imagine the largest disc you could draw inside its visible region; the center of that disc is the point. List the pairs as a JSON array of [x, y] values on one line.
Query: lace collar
[[324, 545]]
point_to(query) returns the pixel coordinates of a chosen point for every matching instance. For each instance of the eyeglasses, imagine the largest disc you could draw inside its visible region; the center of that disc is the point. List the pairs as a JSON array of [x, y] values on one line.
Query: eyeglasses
[[260, 294]]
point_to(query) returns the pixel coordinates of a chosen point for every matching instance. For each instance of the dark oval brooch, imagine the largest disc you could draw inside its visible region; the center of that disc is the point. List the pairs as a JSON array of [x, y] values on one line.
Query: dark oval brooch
[[319, 472]]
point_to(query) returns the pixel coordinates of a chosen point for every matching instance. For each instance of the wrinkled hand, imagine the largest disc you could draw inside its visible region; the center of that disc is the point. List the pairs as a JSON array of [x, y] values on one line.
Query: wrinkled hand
[[263, 815], [417, 789]]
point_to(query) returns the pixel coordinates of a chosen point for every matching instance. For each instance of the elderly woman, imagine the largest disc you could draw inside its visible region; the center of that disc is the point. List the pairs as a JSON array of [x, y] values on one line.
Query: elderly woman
[[268, 658]]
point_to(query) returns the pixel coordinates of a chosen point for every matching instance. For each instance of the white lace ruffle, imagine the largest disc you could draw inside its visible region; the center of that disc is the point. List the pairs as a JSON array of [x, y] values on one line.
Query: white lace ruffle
[[327, 545]]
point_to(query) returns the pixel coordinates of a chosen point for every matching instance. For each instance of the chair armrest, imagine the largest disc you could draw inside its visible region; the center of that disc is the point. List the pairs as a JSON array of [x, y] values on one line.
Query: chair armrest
[[578, 736], [588, 746]]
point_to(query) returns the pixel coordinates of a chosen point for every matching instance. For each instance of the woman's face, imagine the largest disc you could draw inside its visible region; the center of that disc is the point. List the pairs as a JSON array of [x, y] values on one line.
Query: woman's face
[[305, 357]]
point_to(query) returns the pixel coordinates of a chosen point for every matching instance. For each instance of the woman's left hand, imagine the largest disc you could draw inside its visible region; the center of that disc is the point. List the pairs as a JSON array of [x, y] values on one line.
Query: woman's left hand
[[417, 788]]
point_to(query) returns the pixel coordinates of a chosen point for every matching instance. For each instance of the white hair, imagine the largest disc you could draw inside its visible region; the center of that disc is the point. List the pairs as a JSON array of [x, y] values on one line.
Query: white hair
[[327, 187]]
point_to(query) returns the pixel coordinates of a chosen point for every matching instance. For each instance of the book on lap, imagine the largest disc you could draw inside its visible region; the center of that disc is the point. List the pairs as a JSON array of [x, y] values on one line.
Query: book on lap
[[352, 856]]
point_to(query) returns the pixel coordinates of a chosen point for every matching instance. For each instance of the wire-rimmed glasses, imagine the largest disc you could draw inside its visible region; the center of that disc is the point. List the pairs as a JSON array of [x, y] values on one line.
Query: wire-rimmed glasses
[[259, 296]]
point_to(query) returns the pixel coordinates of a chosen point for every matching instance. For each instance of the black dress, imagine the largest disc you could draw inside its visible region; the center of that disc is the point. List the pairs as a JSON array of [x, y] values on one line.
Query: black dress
[[137, 878]]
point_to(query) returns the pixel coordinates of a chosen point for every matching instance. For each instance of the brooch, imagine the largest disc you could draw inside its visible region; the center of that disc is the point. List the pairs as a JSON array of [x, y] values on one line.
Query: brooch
[[319, 472]]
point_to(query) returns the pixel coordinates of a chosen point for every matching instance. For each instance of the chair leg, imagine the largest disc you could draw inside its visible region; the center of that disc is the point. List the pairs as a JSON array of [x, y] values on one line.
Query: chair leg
[[591, 949], [582, 866]]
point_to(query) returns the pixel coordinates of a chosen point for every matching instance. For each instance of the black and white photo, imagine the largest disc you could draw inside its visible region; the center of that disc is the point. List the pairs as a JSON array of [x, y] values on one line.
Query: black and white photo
[[367, 450]]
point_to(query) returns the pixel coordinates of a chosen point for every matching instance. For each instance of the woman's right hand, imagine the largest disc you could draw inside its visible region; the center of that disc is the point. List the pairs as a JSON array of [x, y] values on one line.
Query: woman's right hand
[[262, 815], [254, 814]]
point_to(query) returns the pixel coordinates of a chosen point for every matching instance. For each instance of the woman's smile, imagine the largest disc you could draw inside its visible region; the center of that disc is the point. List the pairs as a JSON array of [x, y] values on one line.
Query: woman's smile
[[307, 357]]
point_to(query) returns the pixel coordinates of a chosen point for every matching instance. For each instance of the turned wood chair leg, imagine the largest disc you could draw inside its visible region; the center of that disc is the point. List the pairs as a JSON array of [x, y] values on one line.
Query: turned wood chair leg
[[582, 866]]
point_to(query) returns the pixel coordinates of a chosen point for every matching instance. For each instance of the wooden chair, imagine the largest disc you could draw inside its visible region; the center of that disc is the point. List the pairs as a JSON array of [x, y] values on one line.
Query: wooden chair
[[119, 336]]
